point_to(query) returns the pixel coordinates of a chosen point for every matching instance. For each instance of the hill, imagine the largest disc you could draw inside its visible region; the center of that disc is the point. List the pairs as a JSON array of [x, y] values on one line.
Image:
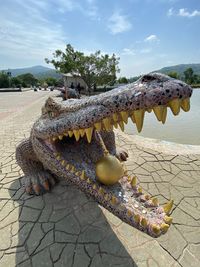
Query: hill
[[38, 71], [180, 69]]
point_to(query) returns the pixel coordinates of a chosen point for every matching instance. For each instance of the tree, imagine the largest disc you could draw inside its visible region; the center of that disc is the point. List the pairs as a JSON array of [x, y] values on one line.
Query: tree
[[134, 79], [94, 69], [4, 80], [50, 81], [16, 82], [27, 79], [122, 80], [173, 74], [189, 75]]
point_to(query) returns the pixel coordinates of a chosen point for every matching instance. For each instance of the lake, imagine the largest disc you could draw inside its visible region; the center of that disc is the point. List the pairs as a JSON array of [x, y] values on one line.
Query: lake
[[183, 129]]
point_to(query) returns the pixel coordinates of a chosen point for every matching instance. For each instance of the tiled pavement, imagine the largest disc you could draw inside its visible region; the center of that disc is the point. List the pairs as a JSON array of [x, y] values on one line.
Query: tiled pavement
[[65, 228]]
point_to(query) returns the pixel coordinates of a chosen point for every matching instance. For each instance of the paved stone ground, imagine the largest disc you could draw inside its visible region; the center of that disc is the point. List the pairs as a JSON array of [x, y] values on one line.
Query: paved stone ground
[[65, 228]]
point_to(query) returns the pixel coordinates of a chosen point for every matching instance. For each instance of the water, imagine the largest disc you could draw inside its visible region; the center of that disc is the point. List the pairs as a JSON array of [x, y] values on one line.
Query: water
[[183, 129]]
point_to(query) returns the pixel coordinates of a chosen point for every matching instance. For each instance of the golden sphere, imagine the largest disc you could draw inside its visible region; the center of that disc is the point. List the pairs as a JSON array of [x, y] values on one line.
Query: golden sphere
[[109, 170]]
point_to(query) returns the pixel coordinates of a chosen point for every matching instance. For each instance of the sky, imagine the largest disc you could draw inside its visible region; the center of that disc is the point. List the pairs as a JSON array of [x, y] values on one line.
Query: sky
[[145, 34]]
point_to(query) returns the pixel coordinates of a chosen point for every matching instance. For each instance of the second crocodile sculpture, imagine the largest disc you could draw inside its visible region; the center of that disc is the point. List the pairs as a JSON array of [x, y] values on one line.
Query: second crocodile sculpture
[[63, 145]]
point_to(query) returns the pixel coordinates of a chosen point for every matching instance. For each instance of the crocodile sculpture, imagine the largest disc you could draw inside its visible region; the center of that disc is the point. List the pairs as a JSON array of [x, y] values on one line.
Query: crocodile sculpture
[[64, 145]]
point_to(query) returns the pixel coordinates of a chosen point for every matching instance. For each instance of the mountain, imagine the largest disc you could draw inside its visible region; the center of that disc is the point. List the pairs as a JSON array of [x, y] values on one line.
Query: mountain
[[180, 69], [38, 71]]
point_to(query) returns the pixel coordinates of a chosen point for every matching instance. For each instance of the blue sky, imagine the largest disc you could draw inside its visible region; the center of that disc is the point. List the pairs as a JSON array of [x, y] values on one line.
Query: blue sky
[[145, 34]]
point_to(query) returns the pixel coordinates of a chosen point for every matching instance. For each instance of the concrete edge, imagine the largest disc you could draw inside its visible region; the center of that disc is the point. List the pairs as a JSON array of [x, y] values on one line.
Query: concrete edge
[[161, 145]]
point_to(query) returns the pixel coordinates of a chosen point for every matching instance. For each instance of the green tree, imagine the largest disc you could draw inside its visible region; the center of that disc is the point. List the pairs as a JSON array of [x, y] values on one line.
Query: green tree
[[27, 79], [16, 82], [133, 79], [4, 80], [94, 69], [122, 80], [189, 75], [173, 74], [50, 81]]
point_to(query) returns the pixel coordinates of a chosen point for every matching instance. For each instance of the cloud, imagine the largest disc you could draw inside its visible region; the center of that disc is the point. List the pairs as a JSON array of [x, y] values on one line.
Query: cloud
[[170, 12], [145, 50], [87, 8], [27, 35], [151, 38], [118, 23], [128, 51], [184, 13]]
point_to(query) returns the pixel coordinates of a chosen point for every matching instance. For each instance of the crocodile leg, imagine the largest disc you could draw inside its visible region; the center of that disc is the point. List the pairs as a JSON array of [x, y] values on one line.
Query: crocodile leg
[[36, 180]]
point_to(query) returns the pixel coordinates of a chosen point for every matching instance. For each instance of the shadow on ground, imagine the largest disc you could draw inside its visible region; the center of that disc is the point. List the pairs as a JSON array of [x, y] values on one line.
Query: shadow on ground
[[64, 228]]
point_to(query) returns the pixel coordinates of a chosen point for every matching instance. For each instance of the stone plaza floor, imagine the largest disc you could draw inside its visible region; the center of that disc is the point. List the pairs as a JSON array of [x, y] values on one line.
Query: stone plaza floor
[[66, 228]]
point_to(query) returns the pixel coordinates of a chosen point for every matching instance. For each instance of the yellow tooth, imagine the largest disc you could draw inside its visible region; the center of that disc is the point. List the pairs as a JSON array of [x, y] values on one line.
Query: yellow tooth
[[129, 179], [89, 132], [88, 181], [54, 139], [82, 175], [63, 162], [68, 167], [164, 227], [129, 213], [107, 123], [168, 206], [139, 118], [115, 125], [76, 134], [82, 132], [164, 115], [101, 190], [144, 222], [158, 111], [94, 186], [136, 218], [155, 201], [140, 190], [124, 115], [115, 117], [132, 117], [185, 104], [78, 173], [58, 157], [121, 125], [73, 169], [155, 228], [175, 106], [106, 197], [147, 197], [134, 181], [60, 137], [98, 126], [114, 200], [70, 133], [168, 219]]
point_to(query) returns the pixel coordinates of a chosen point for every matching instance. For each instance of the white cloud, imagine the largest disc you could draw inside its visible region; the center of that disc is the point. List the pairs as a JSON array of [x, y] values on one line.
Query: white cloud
[[151, 38], [128, 51], [87, 8], [30, 37], [184, 13], [145, 50], [170, 12], [118, 23]]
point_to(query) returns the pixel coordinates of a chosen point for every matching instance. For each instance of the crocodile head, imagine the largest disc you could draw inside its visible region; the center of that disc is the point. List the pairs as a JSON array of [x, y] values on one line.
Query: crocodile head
[[65, 140]]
